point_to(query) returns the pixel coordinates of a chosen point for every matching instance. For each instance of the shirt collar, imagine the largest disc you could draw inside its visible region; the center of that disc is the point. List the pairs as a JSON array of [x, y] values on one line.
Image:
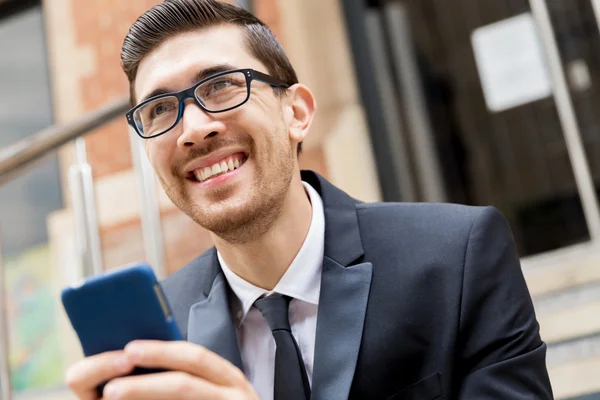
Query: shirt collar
[[302, 279]]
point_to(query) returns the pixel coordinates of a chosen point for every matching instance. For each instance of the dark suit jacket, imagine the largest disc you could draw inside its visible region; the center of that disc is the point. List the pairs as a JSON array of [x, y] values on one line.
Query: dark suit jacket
[[418, 301]]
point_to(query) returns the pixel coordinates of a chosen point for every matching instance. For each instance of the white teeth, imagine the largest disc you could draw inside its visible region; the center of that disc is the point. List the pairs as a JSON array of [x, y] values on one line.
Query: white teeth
[[224, 166]]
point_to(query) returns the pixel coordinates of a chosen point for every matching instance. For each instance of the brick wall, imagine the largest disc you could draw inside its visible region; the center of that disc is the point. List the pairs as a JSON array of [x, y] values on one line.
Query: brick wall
[[102, 25]]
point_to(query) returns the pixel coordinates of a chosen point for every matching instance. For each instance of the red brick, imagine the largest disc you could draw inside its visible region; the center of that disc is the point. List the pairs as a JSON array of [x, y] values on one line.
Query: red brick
[[101, 25]]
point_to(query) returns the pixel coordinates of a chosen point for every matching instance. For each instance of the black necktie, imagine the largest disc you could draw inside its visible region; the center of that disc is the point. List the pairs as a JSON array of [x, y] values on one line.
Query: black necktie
[[291, 381]]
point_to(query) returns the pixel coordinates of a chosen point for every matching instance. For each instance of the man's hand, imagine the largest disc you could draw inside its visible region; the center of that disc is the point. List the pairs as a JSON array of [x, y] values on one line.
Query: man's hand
[[194, 373]]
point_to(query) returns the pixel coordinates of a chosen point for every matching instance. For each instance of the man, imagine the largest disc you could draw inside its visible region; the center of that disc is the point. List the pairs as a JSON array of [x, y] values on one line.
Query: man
[[308, 293]]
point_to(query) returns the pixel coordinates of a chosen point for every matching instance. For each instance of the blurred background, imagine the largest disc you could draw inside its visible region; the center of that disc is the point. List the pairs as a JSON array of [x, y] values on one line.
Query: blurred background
[[480, 102]]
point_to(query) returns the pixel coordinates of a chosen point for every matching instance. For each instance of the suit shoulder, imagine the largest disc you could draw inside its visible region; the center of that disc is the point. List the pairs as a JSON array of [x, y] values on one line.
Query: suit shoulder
[[423, 214], [427, 224]]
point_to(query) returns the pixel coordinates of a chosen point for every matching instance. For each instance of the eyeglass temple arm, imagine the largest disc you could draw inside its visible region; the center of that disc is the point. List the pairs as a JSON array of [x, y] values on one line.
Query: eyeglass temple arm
[[259, 76]]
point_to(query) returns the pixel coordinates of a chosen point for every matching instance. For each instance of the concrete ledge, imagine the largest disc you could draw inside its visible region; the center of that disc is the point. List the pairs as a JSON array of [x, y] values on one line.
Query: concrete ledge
[[571, 323], [573, 350], [576, 379], [569, 298], [117, 198], [563, 273]]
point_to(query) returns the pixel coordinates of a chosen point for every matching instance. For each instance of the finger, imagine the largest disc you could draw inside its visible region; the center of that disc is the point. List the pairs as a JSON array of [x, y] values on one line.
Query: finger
[[84, 376], [187, 357], [163, 386]]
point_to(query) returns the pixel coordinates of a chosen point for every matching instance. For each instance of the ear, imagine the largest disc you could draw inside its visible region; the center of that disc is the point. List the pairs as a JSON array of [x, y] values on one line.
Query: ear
[[301, 111]]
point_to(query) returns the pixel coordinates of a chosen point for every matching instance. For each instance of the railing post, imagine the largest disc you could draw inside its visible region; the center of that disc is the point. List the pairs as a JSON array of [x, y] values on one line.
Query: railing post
[[5, 385], [393, 124], [426, 160], [84, 207], [149, 207]]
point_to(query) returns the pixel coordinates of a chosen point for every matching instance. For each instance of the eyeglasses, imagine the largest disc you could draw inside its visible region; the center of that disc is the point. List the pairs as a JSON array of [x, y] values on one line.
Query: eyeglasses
[[218, 93]]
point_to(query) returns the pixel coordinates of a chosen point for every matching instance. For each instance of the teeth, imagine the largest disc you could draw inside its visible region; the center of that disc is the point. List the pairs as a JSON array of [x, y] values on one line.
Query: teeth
[[226, 165]]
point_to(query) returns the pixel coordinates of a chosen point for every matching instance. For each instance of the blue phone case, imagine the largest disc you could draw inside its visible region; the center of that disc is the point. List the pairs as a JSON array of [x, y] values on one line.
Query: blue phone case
[[111, 310]]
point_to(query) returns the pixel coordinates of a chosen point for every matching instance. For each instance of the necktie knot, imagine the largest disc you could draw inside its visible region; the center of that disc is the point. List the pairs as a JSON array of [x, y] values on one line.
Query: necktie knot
[[275, 310]]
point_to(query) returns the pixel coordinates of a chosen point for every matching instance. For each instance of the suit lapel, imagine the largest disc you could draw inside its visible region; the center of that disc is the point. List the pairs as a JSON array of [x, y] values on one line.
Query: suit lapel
[[341, 316], [345, 286], [210, 323]]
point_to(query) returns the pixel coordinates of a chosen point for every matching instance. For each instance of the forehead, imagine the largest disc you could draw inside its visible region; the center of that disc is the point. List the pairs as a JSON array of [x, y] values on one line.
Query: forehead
[[174, 64]]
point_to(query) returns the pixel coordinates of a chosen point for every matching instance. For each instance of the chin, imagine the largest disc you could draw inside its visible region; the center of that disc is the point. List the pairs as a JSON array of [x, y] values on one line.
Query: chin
[[223, 208], [237, 219]]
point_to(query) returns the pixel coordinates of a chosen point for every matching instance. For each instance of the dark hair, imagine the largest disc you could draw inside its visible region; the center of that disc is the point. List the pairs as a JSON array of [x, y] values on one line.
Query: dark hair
[[173, 17]]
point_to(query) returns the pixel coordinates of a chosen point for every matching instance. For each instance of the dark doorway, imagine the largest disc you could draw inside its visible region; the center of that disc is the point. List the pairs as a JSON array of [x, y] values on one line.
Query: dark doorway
[[515, 158]]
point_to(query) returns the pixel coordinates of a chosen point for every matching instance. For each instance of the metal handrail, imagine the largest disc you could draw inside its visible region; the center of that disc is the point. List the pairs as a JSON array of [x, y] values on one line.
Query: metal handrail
[[17, 157]]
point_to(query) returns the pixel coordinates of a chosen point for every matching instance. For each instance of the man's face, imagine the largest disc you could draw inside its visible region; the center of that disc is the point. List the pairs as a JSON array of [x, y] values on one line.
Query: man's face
[[238, 203]]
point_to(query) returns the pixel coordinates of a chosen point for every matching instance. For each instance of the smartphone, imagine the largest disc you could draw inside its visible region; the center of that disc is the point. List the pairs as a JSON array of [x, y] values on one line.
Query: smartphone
[[110, 310]]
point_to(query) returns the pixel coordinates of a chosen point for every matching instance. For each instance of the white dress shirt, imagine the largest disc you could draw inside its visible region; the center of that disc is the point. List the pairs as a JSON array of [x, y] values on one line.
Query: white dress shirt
[[302, 282]]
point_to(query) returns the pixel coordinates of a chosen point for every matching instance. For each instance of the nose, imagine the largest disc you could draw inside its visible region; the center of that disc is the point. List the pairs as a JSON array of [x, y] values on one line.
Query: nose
[[197, 126]]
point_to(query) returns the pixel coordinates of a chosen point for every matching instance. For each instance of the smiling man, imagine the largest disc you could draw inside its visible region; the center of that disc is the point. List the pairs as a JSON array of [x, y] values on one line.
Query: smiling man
[[308, 293]]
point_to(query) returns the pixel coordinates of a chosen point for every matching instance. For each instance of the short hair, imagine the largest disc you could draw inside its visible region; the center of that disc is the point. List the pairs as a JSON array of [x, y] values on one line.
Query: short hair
[[173, 17]]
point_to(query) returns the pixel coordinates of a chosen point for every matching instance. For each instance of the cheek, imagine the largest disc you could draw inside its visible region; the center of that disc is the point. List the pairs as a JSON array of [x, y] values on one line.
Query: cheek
[[260, 114]]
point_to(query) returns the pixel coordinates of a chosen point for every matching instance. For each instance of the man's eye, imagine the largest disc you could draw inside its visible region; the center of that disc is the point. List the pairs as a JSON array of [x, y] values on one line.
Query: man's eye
[[220, 85], [161, 108]]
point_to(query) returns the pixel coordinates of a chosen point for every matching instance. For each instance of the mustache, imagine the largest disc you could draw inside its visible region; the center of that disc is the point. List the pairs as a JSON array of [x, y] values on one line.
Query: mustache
[[213, 145]]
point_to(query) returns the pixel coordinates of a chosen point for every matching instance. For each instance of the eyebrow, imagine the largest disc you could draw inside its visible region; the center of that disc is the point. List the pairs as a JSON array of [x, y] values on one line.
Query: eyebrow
[[203, 74]]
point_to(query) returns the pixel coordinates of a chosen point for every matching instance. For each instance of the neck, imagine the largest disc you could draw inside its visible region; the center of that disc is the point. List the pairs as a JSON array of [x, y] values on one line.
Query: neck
[[263, 261]]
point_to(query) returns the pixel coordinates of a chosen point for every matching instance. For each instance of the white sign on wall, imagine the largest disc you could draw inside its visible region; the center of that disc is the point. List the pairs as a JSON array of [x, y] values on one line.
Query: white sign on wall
[[511, 63]]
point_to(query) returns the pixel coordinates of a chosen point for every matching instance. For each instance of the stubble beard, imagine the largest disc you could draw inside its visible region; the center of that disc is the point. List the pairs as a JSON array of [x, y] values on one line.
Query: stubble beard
[[243, 220]]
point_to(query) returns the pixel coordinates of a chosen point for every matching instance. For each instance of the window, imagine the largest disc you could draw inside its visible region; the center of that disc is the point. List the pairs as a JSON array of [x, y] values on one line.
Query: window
[[26, 202]]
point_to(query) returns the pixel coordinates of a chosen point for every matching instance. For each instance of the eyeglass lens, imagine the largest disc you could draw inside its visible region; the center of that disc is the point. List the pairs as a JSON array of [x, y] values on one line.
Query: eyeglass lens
[[217, 94]]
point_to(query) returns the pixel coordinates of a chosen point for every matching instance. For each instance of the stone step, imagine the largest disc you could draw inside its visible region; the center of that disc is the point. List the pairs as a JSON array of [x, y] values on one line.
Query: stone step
[[573, 350], [561, 270], [571, 314], [575, 378], [567, 302], [593, 396]]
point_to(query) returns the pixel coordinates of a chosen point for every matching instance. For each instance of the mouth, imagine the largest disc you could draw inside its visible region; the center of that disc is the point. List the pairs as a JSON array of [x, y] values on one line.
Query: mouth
[[219, 168]]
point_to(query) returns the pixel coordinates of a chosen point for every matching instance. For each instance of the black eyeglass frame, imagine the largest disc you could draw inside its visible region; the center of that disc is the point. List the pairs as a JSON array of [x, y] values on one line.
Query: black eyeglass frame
[[249, 74]]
